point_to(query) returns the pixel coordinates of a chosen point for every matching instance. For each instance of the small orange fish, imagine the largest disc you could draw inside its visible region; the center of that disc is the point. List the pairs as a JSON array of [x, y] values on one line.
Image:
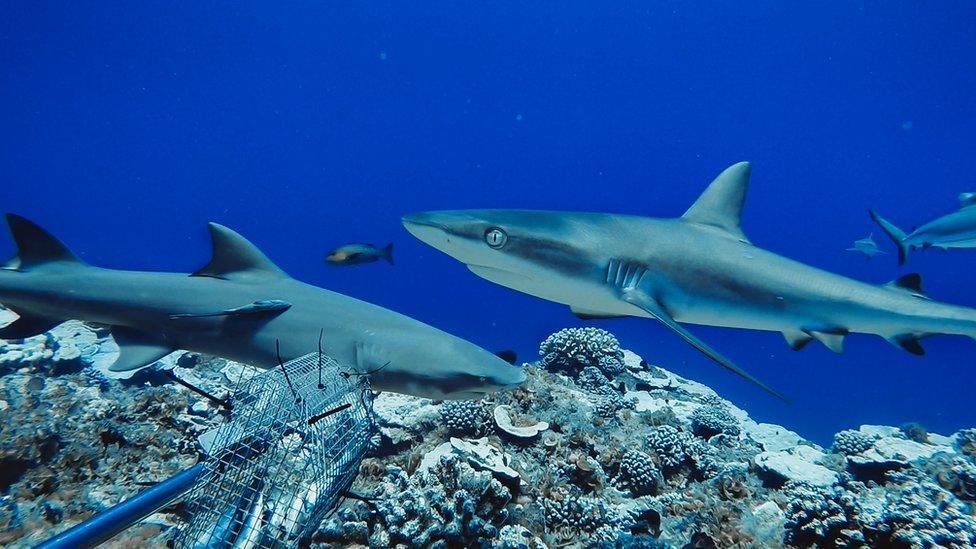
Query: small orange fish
[[357, 254]]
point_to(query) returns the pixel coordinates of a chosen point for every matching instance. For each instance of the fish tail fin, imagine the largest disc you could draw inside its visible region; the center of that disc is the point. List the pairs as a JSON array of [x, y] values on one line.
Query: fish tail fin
[[388, 253], [894, 233]]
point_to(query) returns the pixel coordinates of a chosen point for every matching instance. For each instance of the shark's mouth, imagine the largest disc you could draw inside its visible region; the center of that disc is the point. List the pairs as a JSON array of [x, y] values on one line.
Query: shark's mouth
[[498, 276]]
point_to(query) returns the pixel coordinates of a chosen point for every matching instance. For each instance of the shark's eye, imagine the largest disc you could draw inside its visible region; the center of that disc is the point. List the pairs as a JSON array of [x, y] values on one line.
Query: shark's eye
[[496, 238]]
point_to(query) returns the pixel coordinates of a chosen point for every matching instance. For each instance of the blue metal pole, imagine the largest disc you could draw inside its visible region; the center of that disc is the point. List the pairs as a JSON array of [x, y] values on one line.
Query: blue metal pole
[[110, 522]]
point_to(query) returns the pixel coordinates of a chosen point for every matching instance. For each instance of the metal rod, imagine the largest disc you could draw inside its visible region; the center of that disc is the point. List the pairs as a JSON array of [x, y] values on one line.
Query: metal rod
[[110, 522]]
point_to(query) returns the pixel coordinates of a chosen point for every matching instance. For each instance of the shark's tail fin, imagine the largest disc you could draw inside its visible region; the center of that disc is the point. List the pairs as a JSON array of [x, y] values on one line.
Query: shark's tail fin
[[894, 233], [388, 253]]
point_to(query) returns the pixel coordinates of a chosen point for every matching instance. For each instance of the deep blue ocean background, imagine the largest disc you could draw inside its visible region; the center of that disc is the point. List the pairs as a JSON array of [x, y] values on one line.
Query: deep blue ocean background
[[125, 127]]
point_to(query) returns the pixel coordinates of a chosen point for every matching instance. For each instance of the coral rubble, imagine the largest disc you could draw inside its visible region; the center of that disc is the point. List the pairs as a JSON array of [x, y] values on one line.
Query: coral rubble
[[597, 449]]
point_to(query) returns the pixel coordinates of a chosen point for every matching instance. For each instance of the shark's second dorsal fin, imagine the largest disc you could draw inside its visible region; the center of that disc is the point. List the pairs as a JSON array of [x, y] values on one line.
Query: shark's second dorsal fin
[[911, 283], [35, 246], [721, 204], [234, 254]]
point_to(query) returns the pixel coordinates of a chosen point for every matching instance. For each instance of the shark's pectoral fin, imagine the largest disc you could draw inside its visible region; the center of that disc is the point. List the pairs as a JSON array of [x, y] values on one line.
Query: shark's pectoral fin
[[28, 325], [264, 307], [797, 339], [137, 349], [832, 339], [593, 315], [907, 342], [639, 298]]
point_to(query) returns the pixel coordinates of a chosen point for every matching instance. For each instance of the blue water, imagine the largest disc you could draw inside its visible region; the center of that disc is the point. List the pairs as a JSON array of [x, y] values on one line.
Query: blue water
[[125, 127]]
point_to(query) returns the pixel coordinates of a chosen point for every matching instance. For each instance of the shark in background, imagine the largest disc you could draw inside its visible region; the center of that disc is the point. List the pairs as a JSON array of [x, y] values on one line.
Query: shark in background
[[954, 230], [866, 246], [239, 306], [699, 268]]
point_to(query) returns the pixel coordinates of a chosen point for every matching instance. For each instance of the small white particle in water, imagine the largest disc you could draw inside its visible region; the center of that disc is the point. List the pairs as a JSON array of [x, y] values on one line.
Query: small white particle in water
[[907, 125], [382, 56], [518, 117]]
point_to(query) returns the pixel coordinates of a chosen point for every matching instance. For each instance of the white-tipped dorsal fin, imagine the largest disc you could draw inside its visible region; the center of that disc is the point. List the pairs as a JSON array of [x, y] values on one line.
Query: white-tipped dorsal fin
[[967, 199], [721, 204], [234, 254]]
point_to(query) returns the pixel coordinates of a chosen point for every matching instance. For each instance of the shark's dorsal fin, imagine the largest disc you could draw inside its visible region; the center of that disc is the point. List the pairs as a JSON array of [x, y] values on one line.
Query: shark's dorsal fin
[[967, 199], [35, 246], [233, 254], [912, 283], [721, 204]]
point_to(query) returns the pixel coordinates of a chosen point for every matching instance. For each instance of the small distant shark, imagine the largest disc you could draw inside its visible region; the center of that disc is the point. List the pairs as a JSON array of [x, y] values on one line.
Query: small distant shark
[[239, 306], [699, 269], [955, 230], [866, 246]]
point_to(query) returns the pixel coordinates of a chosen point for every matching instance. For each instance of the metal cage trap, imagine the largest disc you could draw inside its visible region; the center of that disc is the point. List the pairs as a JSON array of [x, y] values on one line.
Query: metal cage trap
[[297, 436], [294, 444]]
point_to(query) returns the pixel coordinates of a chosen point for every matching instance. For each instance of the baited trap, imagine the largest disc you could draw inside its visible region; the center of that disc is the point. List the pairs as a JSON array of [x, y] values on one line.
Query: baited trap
[[293, 446]]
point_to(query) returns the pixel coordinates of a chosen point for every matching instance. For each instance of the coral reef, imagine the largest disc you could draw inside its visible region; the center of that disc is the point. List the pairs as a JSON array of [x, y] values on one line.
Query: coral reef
[[573, 349], [597, 449]]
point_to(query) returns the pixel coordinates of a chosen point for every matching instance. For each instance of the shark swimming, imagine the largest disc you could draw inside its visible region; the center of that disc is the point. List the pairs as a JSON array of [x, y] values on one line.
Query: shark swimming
[[866, 246], [697, 269], [239, 306], [954, 230]]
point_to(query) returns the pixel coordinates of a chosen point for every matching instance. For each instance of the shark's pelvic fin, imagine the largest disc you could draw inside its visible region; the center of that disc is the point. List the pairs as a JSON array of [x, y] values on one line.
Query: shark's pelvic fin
[[831, 339], [35, 246], [137, 349], [797, 339], [28, 325], [233, 254], [257, 308], [911, 283], [908, 342], [721, 204]]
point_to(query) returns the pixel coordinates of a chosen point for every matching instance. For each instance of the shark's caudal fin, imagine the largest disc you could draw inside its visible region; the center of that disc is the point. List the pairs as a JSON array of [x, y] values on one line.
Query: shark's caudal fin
[[35, 246], [720, 205], [388, 253], [894, 233], [234, 255]]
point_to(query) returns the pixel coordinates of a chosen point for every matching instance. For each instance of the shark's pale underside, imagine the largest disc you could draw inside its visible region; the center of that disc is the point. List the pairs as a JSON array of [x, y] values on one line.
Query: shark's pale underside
[[954, 230], [239, 306], [697, 269]]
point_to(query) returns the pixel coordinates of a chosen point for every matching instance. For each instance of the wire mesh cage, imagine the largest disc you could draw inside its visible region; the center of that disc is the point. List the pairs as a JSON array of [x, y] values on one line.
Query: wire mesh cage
[[294, 443]]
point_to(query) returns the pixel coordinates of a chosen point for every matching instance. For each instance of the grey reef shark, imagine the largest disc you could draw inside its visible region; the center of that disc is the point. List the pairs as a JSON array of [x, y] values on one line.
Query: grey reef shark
[[697, 269], [240, 306], [954, 230], [866, 246]]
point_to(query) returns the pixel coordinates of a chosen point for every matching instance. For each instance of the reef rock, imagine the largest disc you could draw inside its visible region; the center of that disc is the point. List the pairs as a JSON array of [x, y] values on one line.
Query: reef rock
[[797, 464], [479, 453]]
